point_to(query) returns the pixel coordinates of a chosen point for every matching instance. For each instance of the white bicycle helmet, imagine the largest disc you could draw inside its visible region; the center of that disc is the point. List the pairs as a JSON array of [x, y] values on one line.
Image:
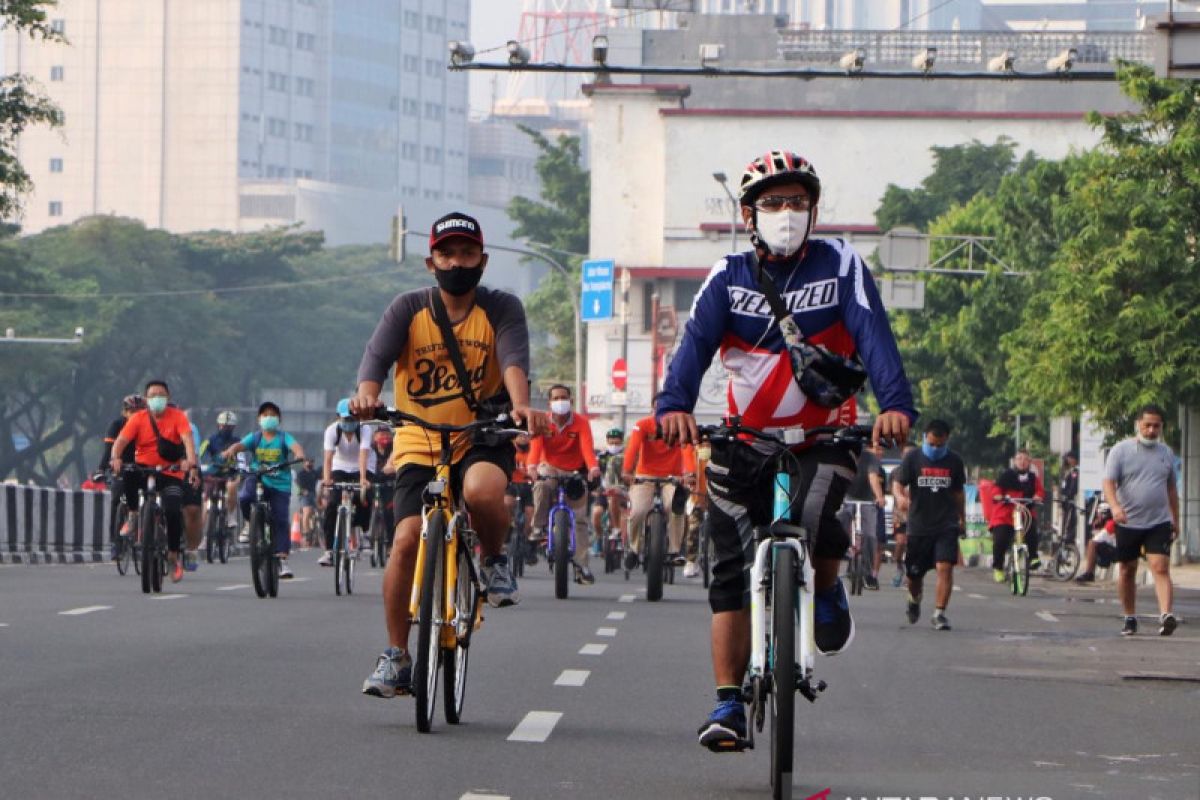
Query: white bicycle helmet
[[227, 418]]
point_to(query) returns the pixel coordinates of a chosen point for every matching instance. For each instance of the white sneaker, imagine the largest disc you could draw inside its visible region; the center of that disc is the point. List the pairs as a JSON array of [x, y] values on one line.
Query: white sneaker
[[691, 570], [326, 560], [244, 535], [285, 571]]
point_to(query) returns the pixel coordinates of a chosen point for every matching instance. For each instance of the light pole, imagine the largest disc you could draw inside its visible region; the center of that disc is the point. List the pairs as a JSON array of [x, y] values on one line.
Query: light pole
[[625, 281], [720, 178]]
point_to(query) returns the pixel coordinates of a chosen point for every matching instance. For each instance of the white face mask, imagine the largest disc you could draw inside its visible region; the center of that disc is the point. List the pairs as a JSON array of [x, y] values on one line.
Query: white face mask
[[1146, 441], [783, 232], [613, 449], [560, 407]]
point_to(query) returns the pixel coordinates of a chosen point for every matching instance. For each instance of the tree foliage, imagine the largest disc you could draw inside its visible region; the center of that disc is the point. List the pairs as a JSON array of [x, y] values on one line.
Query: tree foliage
[[187, 309], [22, 103], [1117, 323], [558, 227]]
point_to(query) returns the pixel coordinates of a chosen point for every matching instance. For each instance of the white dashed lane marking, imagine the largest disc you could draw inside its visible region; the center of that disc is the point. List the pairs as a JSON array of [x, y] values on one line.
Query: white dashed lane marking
[[616, 616], [233, 587], [77, 612], [573, 677], [1046, 615], [478, 796], [593, 649], [166, 596], [535, 727], [976, 597], [607, 632], [627, 598]]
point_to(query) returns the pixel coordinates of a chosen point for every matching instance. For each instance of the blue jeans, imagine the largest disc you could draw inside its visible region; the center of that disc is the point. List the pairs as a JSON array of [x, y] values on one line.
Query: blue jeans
[[280, 502]]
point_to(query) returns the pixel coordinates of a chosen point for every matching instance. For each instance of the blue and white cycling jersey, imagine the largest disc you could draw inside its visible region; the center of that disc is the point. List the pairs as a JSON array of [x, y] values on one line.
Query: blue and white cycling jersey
[[833, 299]]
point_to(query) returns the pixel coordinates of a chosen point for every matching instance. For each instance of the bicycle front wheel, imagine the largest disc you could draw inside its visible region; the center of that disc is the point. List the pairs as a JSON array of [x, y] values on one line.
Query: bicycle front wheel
[[562, 555], [783, 671], [1020, 572], [1066, 562], [656, 545], [857, 569], [257, 554], [351, 556], [466, 599], [210, 535], [146, 525], [123, 554], [341, 538], [425, 665]]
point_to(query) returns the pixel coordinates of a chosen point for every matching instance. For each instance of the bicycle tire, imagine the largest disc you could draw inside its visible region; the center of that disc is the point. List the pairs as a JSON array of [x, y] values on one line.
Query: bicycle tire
[[159, 554], [516, 554], [210, 536], [222, 538], [783, 671], [1022, 573], [348, 562], [256, 551], [656, 542], [146, 524], [857, 573], [123, 555], [339, 546], [377, 538], [562, 556], [466, 598], [135, 542], [1066, 561], [114, 536], [425, 663]]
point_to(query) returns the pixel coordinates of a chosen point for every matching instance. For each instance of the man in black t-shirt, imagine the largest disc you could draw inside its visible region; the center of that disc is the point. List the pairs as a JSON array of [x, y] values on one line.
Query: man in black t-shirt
[[931, 480], [129, 405], [867, 491]]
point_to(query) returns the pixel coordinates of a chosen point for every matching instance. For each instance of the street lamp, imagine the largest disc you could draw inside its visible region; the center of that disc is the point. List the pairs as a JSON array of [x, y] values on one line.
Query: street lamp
[[721, 178]]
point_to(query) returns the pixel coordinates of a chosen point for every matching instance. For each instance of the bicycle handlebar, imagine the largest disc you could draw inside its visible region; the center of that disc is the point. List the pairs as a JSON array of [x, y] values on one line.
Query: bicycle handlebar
[[261, 471], [396, 417], [731, 429]]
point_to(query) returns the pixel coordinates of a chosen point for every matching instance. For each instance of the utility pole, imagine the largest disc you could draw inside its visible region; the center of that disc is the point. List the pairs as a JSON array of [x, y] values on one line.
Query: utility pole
[[625, 281]]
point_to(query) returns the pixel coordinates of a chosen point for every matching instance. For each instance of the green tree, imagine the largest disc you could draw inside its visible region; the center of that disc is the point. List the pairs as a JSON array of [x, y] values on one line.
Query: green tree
[[21, 102], [1117, 322], [959, 173], [560, 224]]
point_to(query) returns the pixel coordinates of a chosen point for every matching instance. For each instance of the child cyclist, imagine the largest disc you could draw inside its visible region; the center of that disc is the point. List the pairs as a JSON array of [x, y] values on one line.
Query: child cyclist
[[267, 447]]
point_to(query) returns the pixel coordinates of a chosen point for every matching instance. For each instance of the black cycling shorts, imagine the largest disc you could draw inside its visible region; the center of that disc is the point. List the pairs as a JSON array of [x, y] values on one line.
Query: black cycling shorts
[[412, 478], [522, 491], [1131, 541], [923, 553]]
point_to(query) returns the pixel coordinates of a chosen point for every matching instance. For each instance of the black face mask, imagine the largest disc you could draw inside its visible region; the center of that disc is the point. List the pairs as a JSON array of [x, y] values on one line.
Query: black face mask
[[458, 280], [524, 448]]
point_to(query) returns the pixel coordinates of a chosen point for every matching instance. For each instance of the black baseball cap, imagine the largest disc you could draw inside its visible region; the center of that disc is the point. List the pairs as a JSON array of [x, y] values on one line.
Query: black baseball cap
[[455, 224]]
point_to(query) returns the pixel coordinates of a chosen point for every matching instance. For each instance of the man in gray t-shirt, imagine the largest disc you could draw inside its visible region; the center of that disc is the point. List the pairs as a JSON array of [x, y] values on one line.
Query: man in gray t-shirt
[[1140, 487]]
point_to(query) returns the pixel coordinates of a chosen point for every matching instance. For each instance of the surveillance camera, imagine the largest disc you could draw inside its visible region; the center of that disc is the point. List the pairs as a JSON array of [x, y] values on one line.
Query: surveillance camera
[[1003, 62], [461, 52], [924, 59], [79, 333], [1063, 61], [518, 54], [853, 60]]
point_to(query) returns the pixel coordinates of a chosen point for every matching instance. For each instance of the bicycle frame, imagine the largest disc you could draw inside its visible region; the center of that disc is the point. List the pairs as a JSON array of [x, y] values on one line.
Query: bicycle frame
[[560, 506]]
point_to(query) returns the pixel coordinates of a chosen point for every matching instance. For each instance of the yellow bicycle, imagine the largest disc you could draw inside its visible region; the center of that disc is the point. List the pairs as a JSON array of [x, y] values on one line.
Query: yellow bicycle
[[447, 599]]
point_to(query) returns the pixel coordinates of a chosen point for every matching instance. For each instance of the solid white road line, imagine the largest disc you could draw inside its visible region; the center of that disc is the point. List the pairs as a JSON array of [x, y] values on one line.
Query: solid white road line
[[627, 598], [608, 632], [233, 587], [478, 796], [573, 677], [976, 596], [616, 616], [75, 612], [593, 649], [3, 624], [1046, 615], [536, 727], [166, 596]]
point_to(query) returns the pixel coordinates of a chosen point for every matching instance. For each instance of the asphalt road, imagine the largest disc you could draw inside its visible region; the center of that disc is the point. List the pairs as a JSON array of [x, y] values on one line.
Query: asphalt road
[[208, 691]]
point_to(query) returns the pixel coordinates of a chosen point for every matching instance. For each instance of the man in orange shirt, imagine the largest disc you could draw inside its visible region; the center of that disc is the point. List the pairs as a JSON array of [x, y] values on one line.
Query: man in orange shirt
[[567, 448], [144, 429], [648, 456]]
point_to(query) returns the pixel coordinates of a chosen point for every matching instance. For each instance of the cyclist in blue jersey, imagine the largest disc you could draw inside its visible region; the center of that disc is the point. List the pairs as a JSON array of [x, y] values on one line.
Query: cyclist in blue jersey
[[801, 369], [211, 461]]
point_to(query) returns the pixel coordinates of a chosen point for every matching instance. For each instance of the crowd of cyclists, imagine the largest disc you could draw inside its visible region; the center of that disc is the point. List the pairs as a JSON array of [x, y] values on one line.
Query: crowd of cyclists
[[797, 323]]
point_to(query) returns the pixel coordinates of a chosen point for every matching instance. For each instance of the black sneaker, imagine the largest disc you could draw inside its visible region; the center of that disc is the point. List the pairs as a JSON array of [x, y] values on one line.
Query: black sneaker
[[631, 560], [940, 623], [833, 630], [913, 609], [1086, 577], [678, 560], [725, 729], [1035, 563], [1130, 626], [584, 576], [871, 582], [1166, 624]]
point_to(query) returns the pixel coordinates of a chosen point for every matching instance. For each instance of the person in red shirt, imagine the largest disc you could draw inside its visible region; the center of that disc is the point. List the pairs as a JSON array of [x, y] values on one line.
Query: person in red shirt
[[1017, 481], [520, 493], [648, 456], [173, 427], [567, 448]]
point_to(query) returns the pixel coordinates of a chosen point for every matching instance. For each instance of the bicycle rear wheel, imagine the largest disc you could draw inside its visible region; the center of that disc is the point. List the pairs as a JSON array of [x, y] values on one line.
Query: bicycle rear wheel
[[562, 555], [222, 539], [656, 544], [135, 542], [783, 671], [210, 535], [857, 572], [340, 543], [159, 552], [257, 555], [147, 526], [377, 532], [425, 663], [123, 554], [466, 599], [1066, 561]]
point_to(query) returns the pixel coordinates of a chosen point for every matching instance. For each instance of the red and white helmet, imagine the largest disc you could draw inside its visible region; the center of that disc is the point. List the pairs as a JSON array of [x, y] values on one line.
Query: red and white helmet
[[774, 168]]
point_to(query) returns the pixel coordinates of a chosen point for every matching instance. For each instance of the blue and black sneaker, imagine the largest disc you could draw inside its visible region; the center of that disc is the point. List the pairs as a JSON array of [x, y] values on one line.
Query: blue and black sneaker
[[834, 628], [392, 675], [725, 729]]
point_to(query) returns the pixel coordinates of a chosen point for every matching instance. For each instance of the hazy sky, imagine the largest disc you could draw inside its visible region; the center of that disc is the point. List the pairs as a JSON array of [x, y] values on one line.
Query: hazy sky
[[493, 22]]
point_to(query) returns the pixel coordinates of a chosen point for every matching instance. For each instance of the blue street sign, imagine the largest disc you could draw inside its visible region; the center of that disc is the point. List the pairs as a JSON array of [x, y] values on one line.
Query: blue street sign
[[596, 297]]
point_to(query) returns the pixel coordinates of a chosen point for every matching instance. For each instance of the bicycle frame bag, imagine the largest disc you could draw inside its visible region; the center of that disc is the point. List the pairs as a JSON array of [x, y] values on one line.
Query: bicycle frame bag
[[168, 450], [825, 378]]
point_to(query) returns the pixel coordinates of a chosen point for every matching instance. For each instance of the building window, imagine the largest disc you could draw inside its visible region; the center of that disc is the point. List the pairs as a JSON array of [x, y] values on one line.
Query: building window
[[302, 132], [411, 107], [306, 41], [409, 151], [59, 26], [278, 82], [55, 208], [412, 19], [56, 165], [435, 24], [277, 127], [412, 64], [433, 111], [433, 68], [433, 155], [277, 35], [306, 87], [56, 73]]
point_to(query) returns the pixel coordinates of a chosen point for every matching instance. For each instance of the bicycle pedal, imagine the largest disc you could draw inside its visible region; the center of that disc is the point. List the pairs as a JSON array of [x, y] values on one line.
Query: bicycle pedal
[[731, 746]]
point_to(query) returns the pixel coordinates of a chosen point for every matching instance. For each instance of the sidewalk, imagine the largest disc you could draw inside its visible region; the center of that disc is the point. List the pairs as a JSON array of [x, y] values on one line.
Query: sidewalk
[[1186, 576]]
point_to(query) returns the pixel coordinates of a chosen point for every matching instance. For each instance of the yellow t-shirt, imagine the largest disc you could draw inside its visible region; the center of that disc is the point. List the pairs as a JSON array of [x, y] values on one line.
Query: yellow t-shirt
[[492, 337]]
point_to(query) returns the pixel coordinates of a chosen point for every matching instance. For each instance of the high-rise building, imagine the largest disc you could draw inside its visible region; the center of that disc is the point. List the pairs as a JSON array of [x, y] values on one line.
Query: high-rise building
[[237, 114]]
